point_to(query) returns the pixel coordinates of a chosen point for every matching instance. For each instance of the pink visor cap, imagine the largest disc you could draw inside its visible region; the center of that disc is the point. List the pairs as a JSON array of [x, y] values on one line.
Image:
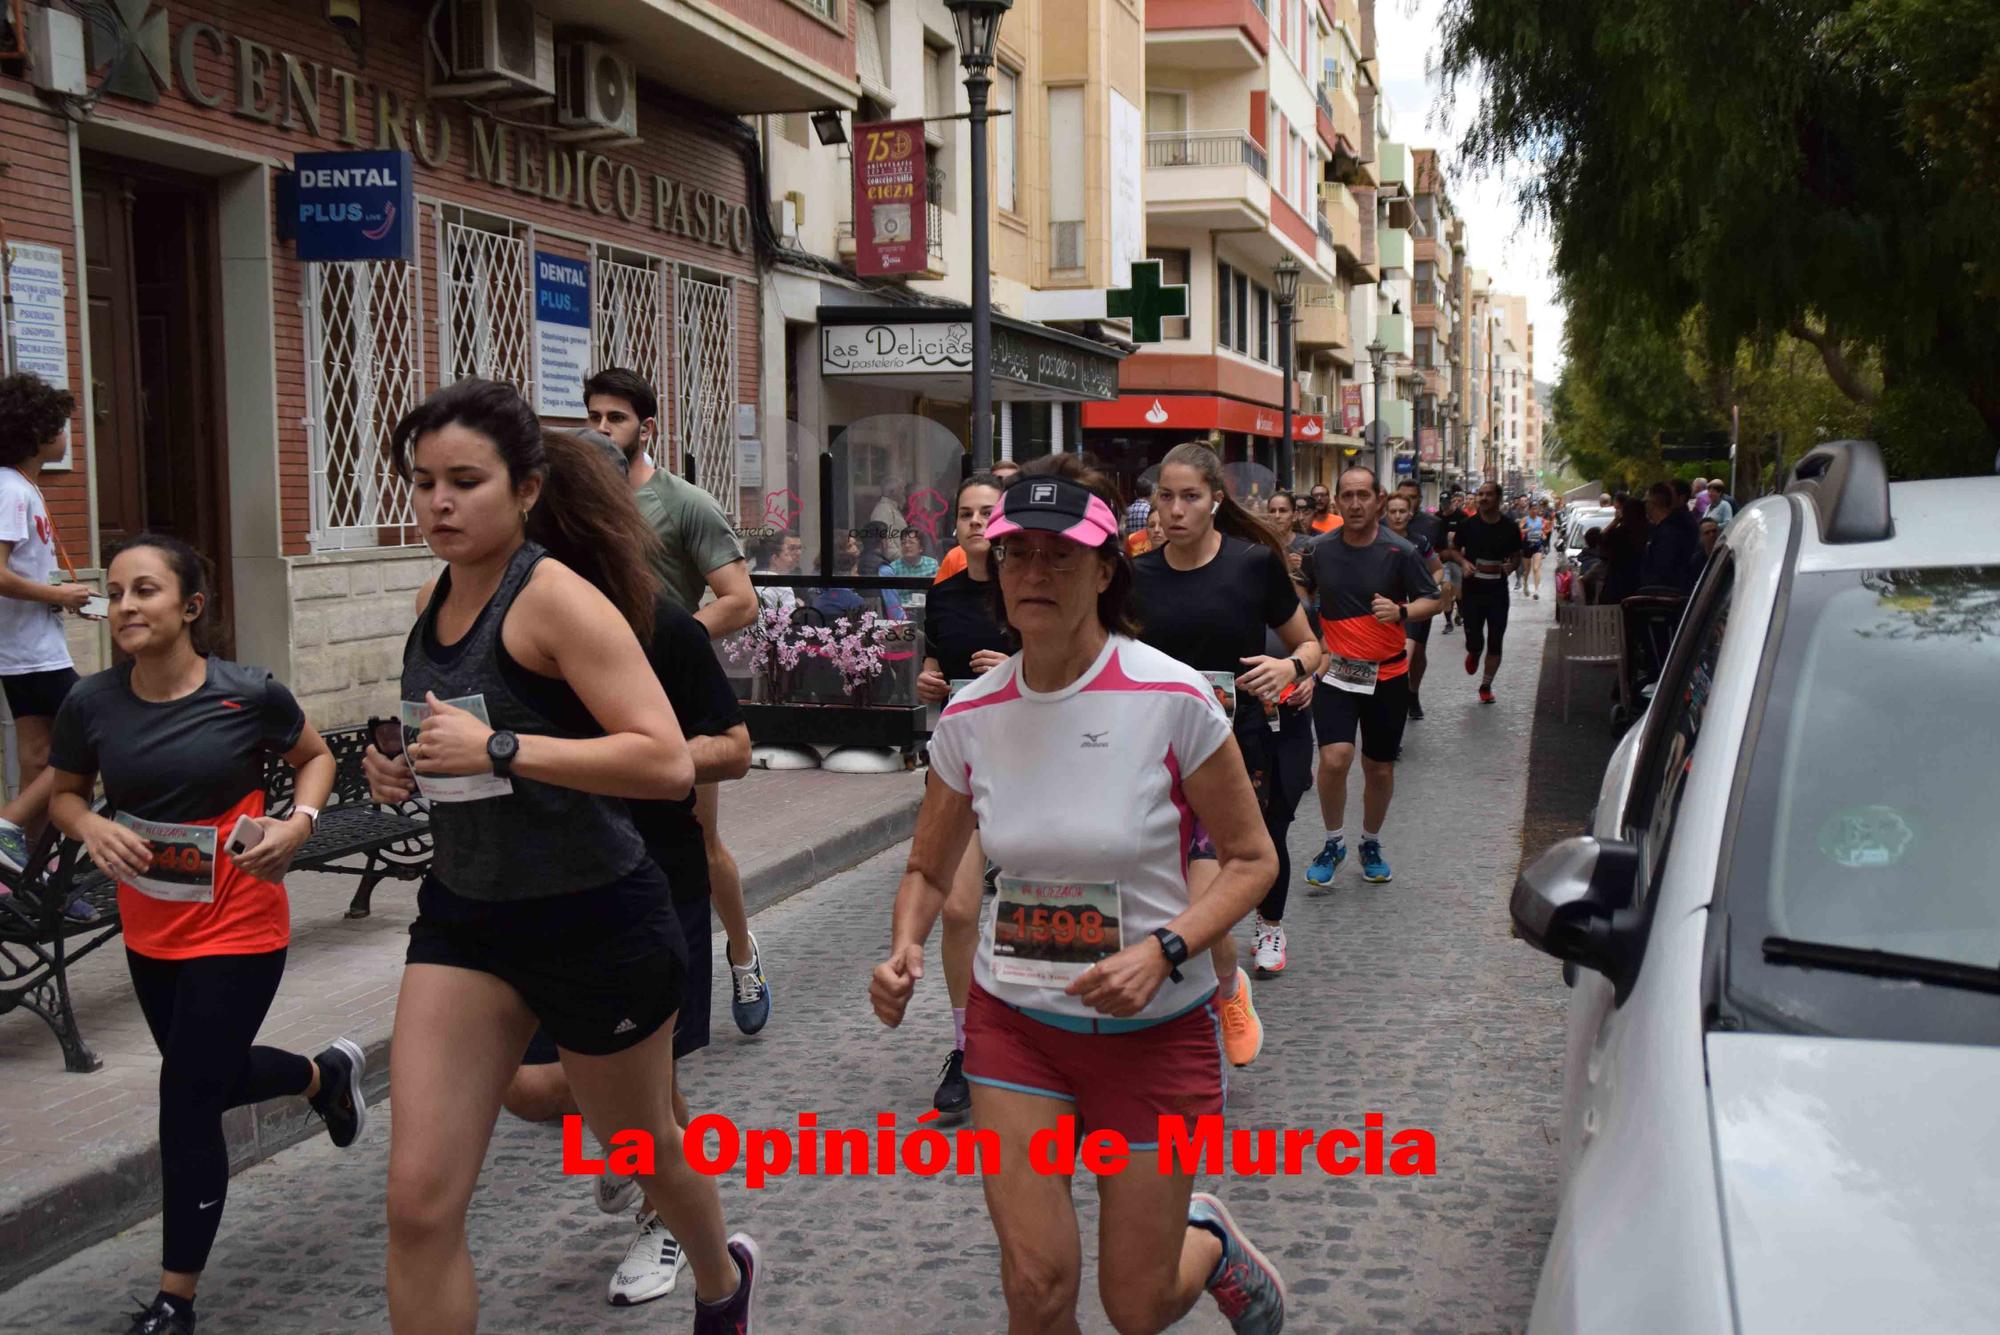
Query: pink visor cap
[[1053, 505]]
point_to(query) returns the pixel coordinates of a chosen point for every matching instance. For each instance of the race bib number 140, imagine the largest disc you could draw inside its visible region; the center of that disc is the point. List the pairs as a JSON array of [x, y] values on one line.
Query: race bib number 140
[[183, 866]]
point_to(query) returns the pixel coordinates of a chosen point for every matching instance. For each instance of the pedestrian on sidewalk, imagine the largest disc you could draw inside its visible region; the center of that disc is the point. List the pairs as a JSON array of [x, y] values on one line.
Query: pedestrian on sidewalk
[[1425, 532], [1489, 549], [698, 553], [541, 905], [1063, 1023], [36, 671], [1207, 599], [1372, 585], [962, 641], [179, 739]]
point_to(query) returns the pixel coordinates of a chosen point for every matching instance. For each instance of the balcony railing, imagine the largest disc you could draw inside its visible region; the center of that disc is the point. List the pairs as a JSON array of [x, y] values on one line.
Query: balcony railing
[[1205, 148], [1325, 228], [1325, 102], [1426, 294], [934, 200]]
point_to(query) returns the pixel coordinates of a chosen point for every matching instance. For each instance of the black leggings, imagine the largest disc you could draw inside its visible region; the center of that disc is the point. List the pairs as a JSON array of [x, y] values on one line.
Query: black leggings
[[204, 1013], [1281, 770], [1485, 619]]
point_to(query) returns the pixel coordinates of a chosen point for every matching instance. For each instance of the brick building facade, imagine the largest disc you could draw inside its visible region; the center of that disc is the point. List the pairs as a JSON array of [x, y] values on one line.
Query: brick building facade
[[232, 394]]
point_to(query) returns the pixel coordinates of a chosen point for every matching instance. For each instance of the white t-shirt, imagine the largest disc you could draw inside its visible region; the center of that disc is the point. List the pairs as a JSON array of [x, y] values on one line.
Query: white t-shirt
[[1084, 784], [31, 634]]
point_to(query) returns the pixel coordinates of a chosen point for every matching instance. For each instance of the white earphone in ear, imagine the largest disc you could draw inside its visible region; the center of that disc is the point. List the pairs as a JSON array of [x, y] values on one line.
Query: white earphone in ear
[[1215, 507]]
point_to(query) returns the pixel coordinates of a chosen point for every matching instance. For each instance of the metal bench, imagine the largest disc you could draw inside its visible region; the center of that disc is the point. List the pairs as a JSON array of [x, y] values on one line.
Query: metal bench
[[38, 943]]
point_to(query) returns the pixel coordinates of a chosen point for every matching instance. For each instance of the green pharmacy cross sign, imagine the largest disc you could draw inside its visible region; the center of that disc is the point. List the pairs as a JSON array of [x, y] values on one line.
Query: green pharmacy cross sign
[[1147, 301]]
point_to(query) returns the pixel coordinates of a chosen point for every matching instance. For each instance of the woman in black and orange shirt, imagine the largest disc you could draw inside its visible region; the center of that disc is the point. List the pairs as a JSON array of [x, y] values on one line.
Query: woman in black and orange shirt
[[179, 739]]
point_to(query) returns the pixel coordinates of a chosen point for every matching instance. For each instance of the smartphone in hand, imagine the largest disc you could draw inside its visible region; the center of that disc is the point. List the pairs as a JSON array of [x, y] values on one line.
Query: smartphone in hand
[[246, 835]]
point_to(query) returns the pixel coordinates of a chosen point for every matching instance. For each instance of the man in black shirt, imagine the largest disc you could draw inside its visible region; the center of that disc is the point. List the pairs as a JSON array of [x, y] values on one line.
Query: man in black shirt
[[1488, 549], [1450, 516], [1673, 557]]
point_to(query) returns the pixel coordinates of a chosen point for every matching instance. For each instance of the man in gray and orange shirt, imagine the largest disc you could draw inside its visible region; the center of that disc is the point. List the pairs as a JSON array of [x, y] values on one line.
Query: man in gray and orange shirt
[[1371, 584]]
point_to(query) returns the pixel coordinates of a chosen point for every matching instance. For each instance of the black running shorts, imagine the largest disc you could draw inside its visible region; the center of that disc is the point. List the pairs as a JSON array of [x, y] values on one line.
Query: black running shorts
[[602, 969], [691, 1021], [1380, 717], [38, 694]]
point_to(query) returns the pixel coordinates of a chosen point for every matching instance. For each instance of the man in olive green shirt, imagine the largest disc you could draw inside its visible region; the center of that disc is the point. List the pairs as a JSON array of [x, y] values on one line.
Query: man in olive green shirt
[[700, 551]]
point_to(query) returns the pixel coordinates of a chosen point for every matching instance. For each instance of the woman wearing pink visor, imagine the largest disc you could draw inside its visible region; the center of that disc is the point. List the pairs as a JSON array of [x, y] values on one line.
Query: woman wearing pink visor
[[1084, 759]]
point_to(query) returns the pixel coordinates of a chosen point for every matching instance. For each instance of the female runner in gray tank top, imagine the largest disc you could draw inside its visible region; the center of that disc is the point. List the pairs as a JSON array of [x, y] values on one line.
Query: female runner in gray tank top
[[541, 905]]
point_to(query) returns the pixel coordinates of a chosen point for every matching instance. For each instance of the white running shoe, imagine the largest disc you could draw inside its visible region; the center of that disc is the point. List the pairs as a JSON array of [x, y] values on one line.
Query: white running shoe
[[651, 1265], [616, 1194], [1270, 947]]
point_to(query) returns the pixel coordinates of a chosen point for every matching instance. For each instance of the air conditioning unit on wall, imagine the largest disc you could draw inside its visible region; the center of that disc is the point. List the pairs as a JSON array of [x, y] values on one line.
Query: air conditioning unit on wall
[[490, 46], [597, 91]]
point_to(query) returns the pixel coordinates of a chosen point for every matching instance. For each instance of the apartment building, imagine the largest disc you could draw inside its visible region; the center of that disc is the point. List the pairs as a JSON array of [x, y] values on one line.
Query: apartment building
[[1398, 229], [1438, 289], [1513, 389], [1240, 129], [234, 393], [863, 364], [1478, 396]]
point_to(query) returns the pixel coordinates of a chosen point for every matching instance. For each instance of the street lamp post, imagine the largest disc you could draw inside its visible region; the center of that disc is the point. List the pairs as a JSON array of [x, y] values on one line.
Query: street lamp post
[[1285, 279], [1377, 353], [978, 28]]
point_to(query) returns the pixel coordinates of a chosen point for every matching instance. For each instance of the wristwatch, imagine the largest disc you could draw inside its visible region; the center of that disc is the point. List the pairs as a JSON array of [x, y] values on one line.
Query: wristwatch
[[1403, 612], [1298, 669], [1175, 949], [310, 813], [501, 748]]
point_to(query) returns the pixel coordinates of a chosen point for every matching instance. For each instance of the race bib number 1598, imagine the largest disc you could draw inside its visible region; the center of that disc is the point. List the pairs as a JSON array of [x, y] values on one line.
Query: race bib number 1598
[[1046, 933]]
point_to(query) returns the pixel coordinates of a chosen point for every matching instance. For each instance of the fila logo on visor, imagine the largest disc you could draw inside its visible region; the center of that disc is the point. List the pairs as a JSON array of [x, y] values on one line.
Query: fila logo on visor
[[1042, 493]]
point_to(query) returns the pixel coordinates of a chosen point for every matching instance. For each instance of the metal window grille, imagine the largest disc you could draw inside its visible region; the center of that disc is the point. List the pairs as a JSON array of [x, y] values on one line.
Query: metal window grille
[[631, 319], [488, 299], [705, 380], [364, 323]]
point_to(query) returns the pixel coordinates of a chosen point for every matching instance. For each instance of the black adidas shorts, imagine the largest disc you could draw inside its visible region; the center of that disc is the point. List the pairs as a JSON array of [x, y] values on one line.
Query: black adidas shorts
[[602, 969]]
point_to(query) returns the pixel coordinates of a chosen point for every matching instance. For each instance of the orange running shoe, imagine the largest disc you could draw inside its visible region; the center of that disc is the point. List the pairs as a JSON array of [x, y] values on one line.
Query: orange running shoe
[[1242, 1031]]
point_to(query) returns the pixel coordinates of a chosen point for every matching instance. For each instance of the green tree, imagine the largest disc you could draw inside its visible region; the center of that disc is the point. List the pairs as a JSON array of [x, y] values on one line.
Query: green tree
[[1823, 171]]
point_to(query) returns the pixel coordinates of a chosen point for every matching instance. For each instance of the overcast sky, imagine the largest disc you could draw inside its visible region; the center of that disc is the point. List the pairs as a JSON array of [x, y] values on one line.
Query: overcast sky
[[1406, 35]]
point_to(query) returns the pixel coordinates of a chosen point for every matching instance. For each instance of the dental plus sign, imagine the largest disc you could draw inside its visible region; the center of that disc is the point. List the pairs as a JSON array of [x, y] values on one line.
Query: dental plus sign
[[1147, 302]]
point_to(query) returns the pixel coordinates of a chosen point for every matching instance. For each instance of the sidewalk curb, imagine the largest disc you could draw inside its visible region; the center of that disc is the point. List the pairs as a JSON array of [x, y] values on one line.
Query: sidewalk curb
[[115, 1194]]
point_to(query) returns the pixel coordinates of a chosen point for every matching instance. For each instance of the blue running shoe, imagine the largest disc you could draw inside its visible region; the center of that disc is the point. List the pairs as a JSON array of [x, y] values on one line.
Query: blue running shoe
[[13, 846], [750, 1005], [1326, 862], [1246, 1286], [1374, 867]]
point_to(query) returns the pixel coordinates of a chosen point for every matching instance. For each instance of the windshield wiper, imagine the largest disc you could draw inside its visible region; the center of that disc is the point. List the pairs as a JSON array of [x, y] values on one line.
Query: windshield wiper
[[1881, 963]]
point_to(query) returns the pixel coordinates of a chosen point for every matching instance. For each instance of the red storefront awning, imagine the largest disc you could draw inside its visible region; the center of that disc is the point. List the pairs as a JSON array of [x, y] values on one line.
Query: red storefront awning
[[1195, 412]]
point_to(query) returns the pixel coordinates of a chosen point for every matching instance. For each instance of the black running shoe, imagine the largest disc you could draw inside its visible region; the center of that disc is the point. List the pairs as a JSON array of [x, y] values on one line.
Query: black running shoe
[[731, 1316], [954, 1095], [339, 1101], [1416, 707], [164, 1317]]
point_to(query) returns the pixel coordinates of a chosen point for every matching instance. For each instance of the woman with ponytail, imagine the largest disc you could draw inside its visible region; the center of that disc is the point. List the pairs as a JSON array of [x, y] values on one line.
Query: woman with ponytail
[[1210, 598], [530, 712]]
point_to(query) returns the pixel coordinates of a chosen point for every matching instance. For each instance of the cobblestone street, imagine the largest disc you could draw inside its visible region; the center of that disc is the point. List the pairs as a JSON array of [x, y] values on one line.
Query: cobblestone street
[[1408, 999]]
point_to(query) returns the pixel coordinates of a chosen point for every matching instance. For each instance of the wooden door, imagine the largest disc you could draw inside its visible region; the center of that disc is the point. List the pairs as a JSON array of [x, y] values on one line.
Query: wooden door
[[151, 276]]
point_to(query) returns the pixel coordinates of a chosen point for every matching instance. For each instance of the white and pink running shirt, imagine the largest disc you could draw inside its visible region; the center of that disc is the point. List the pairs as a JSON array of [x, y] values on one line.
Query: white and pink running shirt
[[1084, 784]]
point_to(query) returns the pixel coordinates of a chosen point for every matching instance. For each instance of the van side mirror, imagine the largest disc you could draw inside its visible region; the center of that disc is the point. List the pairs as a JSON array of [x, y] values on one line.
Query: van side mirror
[[1574, 902]]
